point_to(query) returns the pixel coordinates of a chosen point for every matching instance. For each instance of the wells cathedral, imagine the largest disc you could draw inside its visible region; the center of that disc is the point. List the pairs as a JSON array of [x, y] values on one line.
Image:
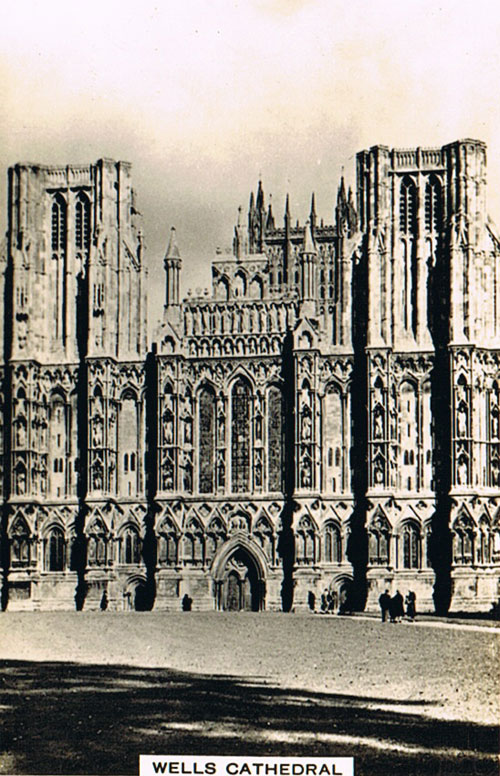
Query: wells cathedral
[[327, 418]]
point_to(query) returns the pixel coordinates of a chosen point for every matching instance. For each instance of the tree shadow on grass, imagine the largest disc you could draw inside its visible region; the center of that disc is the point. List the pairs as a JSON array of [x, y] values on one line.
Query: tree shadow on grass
[[72, 718]]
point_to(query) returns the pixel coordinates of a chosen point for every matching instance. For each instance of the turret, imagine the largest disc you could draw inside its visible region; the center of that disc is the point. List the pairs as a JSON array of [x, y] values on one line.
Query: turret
[[172, 263], [308, 280]]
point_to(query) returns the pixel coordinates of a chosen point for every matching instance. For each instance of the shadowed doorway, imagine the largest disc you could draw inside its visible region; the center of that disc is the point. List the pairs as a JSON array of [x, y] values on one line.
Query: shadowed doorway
[[241, 588]]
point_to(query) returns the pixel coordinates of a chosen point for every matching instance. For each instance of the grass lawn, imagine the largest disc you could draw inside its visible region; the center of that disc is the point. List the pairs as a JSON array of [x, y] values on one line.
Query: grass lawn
[[86, 693]]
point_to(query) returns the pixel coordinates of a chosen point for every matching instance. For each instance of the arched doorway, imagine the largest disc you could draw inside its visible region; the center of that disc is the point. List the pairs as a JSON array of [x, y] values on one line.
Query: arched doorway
[[240, 585], [341, 588], [136, 596]]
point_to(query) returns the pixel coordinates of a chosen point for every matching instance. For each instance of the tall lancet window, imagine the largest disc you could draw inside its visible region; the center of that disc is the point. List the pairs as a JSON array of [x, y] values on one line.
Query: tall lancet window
[[433, 206], [240, 436], [275, 438], [408, 204], [82, 225], [58, 245], [206, 439], [408, 207]]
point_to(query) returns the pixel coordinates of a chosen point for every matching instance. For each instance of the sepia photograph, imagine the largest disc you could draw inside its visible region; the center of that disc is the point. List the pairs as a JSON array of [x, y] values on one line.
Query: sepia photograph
[[250, 388]]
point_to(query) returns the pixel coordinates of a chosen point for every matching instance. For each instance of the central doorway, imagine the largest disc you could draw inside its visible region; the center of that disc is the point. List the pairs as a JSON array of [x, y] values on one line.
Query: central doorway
[[241, 587]]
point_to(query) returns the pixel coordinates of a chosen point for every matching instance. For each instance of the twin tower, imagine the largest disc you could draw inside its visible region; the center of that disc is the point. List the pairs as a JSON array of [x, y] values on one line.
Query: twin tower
[[326, 418]]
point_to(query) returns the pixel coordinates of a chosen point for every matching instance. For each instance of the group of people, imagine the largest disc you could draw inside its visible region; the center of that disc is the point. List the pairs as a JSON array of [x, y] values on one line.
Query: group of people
[[331, 602], [396, 607]]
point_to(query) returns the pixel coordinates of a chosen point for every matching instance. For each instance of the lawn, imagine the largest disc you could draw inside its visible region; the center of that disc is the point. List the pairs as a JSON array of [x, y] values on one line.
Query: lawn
[[86, 693]]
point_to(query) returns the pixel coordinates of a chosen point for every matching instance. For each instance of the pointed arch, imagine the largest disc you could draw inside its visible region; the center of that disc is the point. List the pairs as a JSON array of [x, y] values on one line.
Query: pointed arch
[[241, 437]]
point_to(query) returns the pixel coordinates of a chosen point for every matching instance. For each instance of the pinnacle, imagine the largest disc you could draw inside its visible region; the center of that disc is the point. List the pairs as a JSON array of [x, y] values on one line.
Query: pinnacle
[[173, 249]]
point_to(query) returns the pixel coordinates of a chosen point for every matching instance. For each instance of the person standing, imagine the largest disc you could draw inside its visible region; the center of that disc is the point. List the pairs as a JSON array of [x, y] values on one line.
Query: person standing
[[396, 608], [384, 602], [411, 605]]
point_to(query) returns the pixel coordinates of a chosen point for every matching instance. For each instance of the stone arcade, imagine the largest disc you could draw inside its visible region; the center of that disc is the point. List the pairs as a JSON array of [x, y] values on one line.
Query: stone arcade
[[328, 417]]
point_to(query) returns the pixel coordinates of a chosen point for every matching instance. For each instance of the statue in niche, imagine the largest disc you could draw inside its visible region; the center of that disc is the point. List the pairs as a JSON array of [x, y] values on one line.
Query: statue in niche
[[494, 424], [187, 479], [305, 471], [221, 424], [98, 405], [221, 470], [97, 480], [306, 427], [168, 427], [21, 482], [168, 475], [378, 426], [462, 421], [379, 472], [378, 397], [462, 472], [97, 429], [188, 430], [258, 469], [21, 434]]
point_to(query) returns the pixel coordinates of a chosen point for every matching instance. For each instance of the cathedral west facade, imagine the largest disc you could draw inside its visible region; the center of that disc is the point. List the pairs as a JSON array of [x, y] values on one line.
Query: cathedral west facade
[[326, 417]]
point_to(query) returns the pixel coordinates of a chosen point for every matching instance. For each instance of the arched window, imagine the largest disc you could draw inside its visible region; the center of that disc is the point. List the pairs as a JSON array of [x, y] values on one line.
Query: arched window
[[306, 545], [241, 399], [332, 544], [333, 439], [408, 432], [463, 540], [55, 550], [82, 224], [411, 546], [433, 205], [59, 228], [206, 451], [275, 438], [493, 430], [131, 546], [128, 441], [408, 207], [20, 556]]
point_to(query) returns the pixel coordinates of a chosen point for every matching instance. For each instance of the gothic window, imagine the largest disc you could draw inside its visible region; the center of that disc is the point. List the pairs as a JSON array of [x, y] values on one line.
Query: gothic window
[[206, 439], [305, 542], [484, 542], [131, 546], [241, 399], [20, 544], [411, 546], [58, 441], [275, 438], [408, 427], [332, 544], [240, 284], [167, 546], [493, 469], [427, 475], [408, 207], [55, 550], [128, 441], [433, 205], [58, 226], [97, 546], [463, 540], [82, 224], [192, 546], [379, 542], [263, 534], [256, 288], [333, 439]]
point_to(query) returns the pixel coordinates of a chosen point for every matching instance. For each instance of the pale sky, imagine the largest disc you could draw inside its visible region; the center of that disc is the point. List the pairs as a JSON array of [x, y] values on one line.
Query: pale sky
[[204, 96]]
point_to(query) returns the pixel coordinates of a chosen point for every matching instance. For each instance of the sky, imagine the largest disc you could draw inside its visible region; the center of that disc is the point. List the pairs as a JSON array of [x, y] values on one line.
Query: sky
[[204, 97]]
